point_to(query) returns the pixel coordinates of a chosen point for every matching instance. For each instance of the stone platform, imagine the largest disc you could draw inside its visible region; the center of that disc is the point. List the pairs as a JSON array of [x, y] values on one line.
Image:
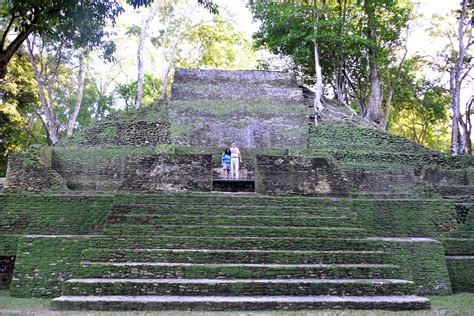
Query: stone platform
[[229, 254]]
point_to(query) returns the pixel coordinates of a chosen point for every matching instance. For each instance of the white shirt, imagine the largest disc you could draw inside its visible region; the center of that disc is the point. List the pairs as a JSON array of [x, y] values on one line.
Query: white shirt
[[234, 152]]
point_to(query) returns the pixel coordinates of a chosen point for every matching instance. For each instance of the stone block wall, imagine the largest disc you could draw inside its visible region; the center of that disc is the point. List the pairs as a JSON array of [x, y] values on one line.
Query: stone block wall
[[147, 127], [413, 217], [44, 263], [250, 85], [255, 109], [372, 181], [421, 260], [351, 138], [170, 173], [50, 214], [296, 175], [136, 169], [31, 172], [323, 176]]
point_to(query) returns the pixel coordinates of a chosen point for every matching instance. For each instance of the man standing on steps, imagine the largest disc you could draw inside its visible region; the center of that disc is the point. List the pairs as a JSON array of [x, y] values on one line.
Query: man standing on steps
[[235, 158]]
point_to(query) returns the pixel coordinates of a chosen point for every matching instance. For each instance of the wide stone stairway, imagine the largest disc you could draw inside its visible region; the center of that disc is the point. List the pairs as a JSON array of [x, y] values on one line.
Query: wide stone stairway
[[231, 252]]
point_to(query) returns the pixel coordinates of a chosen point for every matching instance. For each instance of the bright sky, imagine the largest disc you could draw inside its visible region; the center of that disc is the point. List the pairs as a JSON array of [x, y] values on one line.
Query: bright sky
[[419, 40]]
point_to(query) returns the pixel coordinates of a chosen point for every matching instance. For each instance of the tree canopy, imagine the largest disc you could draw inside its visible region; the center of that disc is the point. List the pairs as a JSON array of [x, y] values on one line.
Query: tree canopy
[[75, 23]]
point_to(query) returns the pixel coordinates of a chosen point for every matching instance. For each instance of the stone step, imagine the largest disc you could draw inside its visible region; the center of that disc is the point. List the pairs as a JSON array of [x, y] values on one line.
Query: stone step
[[250, 94], [212, 287], [223, 230], [233, 270], [213, 210], [383, 195], [245, 220], [455, 190], [229, 200], [240, 77], [245, 243], [233, 256], [238, 303]]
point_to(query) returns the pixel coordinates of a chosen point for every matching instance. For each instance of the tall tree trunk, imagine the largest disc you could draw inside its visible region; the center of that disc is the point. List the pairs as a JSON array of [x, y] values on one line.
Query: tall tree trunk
[[375, 103], [391, 92], [140, 54], [339, 65], [169, 64], [466, 126], [318, 87], [80, 89], [455, 131], [468, 129], [456, 77], [46, 100], [340, 90]]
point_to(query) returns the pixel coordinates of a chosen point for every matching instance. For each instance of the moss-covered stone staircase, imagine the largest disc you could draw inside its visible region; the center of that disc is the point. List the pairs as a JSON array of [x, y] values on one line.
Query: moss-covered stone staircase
[[218, 252]]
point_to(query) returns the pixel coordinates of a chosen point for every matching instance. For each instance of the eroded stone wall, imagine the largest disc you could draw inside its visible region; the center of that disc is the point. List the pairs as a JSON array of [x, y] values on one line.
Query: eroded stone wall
[[323, 176], [297, 175], [255, 109], [31, 172], [147, 127], [136, 169], [170, 173], [249, 85]]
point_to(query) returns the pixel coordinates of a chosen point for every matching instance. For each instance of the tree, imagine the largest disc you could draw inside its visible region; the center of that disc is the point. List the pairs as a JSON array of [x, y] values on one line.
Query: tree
[[420, 110], [74, 23], [457, 74], [128, 91], [100, 82], [466, 125], [143, 35], [456, 60], [80, 90], [318, 87], [373, 113], [176, 23], [207, 4], [356, 43], [19, 125], [216, 44], [56, 84]]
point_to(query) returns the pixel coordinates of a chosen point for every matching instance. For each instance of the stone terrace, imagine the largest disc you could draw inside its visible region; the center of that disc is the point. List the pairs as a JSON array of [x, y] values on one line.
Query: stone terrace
[[194, 254], [338, 216]]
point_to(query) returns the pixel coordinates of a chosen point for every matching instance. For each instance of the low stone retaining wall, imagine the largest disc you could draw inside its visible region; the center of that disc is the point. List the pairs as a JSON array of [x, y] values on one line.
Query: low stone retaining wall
[[322, 176], [138, 169]]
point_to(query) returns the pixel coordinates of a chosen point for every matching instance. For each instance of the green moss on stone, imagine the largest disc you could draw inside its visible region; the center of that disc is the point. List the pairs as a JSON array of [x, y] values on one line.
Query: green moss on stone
[[43, 263], [423, 262]]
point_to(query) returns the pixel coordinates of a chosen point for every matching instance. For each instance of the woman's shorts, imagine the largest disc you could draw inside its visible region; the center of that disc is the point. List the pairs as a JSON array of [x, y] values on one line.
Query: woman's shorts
[[226, 167]]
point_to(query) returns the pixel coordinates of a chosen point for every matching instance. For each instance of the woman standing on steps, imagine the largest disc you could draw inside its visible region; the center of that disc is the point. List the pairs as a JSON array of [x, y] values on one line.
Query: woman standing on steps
[[235, 158], [226, 163]]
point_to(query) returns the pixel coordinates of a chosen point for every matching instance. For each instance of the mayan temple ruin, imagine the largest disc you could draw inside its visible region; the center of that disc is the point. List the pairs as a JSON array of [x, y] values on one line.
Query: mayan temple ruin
[[133, 213]]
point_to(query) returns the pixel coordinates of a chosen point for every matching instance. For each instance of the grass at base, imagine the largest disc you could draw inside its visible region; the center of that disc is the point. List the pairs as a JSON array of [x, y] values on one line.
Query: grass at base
[[458, 304]]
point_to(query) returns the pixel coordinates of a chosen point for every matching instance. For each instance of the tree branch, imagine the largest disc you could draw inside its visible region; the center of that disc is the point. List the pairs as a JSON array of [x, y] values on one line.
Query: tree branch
[[7, 30]]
